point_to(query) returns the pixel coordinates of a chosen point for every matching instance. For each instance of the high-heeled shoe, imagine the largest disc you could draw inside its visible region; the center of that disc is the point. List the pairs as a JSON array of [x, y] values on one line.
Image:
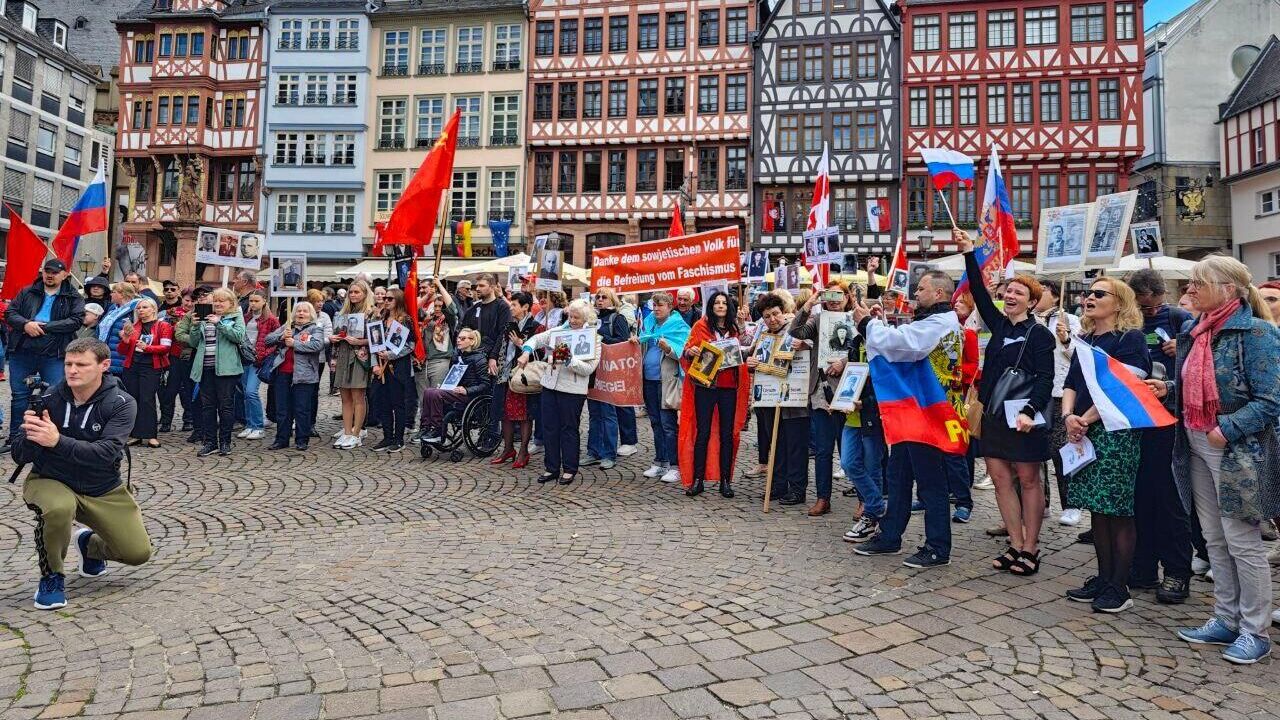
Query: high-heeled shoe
[[726, 490], [504, 458], [567, 478], [546, 477], [521, 461], [695, 489]]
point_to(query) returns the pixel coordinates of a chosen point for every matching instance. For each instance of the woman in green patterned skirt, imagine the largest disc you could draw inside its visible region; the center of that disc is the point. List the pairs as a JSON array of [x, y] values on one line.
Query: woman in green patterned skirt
[[1113, 323]]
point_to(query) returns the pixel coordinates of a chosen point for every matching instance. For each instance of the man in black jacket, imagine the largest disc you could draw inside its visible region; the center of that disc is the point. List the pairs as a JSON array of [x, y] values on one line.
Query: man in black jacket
[[74, 447], [43, 320], [490, 316]]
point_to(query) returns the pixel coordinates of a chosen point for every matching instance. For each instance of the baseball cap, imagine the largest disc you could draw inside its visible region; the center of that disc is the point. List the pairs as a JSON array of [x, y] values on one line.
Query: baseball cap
[[54, 265], [169, 284], [94, 308]]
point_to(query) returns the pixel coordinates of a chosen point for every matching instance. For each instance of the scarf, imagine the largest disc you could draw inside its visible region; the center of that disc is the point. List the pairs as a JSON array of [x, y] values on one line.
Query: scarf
[[1199, 378], [114, 314], [674, 330]]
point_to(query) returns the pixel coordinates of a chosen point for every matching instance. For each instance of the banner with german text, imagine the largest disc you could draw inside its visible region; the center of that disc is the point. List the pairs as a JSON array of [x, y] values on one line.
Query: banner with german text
[[619, 379], [668, 264]]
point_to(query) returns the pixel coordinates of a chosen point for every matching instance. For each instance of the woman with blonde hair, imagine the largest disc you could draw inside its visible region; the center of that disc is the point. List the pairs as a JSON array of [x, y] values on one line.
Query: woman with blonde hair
[[1112, 323], [124, 298], [215, 364], [603, 419], [145, 343], [352, 363], [1226, 456]]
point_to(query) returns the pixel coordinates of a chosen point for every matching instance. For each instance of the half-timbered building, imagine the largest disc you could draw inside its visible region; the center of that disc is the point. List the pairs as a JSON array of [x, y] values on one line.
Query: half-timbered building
[[635, 107], [1056, 86], [827, 72], [191, 81]]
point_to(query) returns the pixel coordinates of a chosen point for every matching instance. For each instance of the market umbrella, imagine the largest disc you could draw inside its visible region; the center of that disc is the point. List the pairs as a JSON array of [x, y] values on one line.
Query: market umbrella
[[1170, 268], [953, 266]]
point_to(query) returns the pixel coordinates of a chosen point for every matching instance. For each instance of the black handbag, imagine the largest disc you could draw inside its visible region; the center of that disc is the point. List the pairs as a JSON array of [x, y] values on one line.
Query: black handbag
[[1012, 384]]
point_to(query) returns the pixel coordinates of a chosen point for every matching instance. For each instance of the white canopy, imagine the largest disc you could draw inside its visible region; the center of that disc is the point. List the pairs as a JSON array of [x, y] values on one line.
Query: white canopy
[[953, 265], [1170, 268], [573, 276]]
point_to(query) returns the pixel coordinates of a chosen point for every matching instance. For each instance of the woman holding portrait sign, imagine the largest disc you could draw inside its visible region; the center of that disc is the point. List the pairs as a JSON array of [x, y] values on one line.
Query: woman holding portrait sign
[[708, 439], [351, 360], [393, 374]]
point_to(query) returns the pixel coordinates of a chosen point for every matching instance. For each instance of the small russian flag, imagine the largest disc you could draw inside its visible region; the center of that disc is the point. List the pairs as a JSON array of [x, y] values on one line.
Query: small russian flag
[[1124, 402], [87, 217], [947, 167]]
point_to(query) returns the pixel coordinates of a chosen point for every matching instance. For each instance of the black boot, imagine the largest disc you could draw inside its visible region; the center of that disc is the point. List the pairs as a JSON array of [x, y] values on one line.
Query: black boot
[[195, 437], [166, 426], [726, 490], [187, 425], [696, 490]]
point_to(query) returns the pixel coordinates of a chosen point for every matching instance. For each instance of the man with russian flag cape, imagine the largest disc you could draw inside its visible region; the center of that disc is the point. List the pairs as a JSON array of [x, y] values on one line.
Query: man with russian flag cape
[[912, 368]]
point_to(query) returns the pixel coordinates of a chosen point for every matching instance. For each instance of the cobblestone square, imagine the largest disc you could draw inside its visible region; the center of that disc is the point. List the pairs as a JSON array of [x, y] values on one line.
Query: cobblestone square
[[352, 584]]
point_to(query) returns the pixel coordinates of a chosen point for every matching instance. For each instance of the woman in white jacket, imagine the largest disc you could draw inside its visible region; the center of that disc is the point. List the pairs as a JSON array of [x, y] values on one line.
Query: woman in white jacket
[[565, 385]]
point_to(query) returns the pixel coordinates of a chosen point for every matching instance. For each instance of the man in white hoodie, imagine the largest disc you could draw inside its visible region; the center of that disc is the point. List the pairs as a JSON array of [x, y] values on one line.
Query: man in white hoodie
[[934, 334]]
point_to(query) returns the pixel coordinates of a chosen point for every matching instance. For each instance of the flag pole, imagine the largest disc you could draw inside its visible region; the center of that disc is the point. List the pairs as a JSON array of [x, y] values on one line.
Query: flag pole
[[444, 208], [947, 205]]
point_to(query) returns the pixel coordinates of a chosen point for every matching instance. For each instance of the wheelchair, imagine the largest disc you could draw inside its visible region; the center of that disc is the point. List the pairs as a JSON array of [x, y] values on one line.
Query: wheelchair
[[465, 425]]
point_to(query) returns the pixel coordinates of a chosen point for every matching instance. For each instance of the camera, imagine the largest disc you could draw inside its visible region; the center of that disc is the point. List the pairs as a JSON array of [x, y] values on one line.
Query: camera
[[38, 388]]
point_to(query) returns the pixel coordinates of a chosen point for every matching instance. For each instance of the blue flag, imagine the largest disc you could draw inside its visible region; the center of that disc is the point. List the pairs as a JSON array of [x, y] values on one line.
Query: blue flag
[[501, 231]]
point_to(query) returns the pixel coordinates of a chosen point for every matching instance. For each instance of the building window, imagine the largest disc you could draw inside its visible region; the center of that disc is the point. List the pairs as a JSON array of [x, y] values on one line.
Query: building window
[[842, 131], [1267, 201], [789, 64], [470, 52], [344, 89], [1020, 197], [672, 169], [844, 208], [344, 213], [1088, 23], [812, 133], [647, 97], [1126, 21], [544, 38], [735, 30], [617, 171], [344, 149], [502, 195], [1022, 103], [46, 139], [286, 152], [465, 201], [238, 45], [144, 50], [676, 38], [469, 122], [735, 167], [542, 162], [314, 210], [1049, 191], [942, 105], [709, 94], [813, 63], [504, 122], [507, 46], [568, 37], [388, 186], [868, 60], [809, 7], [1050, 102], [618, 33], [432, 51], [646, 170], [392, 119], [395, 52], [964, 207], [709, 169], [162, 110], [592, 36], [315, 149], [926, 33], [592, 180], [592, 100], [674, 96], [317, 90], [648, 33], [568, 101], [287, 213], [542, 100], [735, 93], [1257, 146], [919, 105], [71, 152], [962, 31], [1002, 28], [287, 89], [430, 120], [24, 69], [1080, 100], [233, 112], [290, 35], [617, 98], [996, 113], [166, 45], [318, 34], [348, 36], [917, 200], [568, 182], [708, 28], [968, 109], [1108, 100], [1106, 183], [868, 131], [1041, 26], [842, 61], [52, 87], [1077, 188]]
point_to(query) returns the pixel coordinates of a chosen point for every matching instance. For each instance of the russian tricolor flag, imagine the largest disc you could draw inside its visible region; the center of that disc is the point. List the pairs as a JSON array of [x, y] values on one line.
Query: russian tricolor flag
[[948, 167], [1124, 402], [87, 217], [997, 244], [914, 407]]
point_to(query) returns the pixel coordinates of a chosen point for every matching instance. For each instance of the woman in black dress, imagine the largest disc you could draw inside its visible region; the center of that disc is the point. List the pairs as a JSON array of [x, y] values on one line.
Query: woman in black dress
[[1014, 455]]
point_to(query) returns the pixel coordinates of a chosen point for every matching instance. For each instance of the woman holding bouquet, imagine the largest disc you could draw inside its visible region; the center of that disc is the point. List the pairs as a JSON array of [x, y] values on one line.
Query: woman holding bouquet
[[708, 440]]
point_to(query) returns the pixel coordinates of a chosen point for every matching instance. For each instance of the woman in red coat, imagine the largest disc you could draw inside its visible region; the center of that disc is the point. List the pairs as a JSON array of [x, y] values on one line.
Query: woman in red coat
[[708, 442], [145, 344]]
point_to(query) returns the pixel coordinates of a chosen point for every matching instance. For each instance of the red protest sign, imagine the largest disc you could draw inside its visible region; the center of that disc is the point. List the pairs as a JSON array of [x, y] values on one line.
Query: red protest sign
[[668, 264], [619, 377]]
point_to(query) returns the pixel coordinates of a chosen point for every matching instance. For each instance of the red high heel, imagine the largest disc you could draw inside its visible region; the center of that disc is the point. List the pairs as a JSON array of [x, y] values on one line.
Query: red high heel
[[503, 458], [521, 461]]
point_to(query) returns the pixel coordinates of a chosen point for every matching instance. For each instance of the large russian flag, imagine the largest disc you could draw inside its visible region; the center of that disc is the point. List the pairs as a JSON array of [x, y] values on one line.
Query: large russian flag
[[1124, 402], [914, 407], [87, 217], [997, 244], [947, 167]]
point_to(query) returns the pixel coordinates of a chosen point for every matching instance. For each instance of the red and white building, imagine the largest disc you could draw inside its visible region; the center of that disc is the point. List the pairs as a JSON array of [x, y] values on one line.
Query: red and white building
[[1056, 86], [191, 78], [632, 105]]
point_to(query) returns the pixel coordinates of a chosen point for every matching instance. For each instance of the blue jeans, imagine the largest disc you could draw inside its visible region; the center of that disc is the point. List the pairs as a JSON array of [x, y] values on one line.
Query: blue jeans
[[627, 426], [602, 430], [960, 480], [23, 365], [862, 457], [927, 467], [663, 423], [826, 427], [254, 419]]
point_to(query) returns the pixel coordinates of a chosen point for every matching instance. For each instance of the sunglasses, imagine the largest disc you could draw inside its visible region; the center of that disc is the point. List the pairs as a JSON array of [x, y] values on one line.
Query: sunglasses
[[1097, 294]]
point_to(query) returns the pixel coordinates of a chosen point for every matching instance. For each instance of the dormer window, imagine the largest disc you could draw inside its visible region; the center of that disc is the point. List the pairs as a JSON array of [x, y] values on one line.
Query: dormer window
[[164, 5], [82, 23], [60, 35], [29, 17]]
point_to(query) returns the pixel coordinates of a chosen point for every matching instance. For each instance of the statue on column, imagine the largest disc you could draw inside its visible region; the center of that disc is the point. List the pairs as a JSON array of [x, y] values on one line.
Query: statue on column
[[190, 198]]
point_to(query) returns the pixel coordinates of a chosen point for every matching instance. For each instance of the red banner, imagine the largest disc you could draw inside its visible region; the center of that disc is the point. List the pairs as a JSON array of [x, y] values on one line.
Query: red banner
[[668, 264], [619, 378]]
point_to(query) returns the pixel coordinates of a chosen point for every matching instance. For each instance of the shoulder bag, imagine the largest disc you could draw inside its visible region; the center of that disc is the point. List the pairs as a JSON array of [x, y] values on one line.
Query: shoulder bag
[[1013, 383], [527, 380]]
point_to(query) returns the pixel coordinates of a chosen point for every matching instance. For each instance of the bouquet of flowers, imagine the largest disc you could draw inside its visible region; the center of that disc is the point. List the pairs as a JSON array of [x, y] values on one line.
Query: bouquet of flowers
[[562, 353]]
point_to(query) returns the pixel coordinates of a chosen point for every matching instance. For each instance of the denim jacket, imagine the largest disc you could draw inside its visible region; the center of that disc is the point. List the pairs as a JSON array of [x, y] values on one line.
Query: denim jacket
[[1244, 360]]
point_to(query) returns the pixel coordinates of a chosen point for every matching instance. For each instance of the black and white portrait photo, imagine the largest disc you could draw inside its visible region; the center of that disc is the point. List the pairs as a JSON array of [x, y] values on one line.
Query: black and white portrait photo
[[1146, 240], [758, 266], [1111, 217]]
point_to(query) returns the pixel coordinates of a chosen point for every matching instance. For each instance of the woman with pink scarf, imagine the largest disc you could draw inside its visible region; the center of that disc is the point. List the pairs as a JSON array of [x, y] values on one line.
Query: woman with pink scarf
[[1226, 457]]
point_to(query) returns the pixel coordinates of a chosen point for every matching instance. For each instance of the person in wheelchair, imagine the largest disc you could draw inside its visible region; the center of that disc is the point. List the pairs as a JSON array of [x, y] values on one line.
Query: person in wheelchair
[[476, 380]]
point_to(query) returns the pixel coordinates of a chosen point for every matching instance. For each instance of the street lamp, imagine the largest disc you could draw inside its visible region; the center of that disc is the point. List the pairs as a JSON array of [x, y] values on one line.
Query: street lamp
[[85, 262], [925, 239]]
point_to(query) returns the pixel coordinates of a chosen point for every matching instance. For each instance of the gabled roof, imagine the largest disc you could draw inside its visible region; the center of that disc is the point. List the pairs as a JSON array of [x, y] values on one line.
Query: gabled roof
[[46, 48], [392, 8], [291, 5], [145, 11], [777, 6], [1260, 84]]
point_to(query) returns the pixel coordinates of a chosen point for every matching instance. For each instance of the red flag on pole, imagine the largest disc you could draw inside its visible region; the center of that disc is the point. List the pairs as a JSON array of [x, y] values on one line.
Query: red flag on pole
[[677, 225], [414, 217], [411, 306], [820, 215], [26, 254]]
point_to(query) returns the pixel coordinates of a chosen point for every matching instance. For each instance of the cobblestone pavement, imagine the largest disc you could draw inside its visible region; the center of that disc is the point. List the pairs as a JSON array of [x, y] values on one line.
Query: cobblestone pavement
[[340, 584]]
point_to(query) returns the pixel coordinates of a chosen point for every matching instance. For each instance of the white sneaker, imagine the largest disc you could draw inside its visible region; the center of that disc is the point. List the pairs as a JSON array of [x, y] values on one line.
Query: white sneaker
[[340, 434], [254, 435], [671, 476], [1069, 517], [340, 438], [656, 470], [364, 435], [984, 484], [243, 433], [349, 442], [535, 448], [1275, 617], [1208, 574], [627, 450], [837, 473], [1198, 566]]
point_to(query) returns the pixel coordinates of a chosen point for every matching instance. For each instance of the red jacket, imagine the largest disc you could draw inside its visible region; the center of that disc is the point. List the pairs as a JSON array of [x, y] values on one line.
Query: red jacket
[[159, 348], [267, 324]]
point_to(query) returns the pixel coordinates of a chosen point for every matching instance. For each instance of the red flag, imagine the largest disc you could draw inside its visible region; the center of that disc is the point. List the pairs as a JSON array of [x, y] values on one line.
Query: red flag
[[770, 222], [677, 225], [411, 305], [414, 217], [26, 253]]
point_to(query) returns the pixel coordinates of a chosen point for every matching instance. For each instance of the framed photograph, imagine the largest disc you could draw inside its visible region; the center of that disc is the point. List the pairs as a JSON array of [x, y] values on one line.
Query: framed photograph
[[823, 246], [289, 275], [549, 269], [849, 389], [397, 337], [850, 264], [1063, 230], [515, 278], [707, 289], [899, 282], [787, 277], [835, 337], [376, 332], [763, 348], [1146, 240], [581, 343], [352, 325], [787, 389], [215, 246], [757, 266], [706, 364], [916, 270], [732, 352], [451, 380], [1112, 214]]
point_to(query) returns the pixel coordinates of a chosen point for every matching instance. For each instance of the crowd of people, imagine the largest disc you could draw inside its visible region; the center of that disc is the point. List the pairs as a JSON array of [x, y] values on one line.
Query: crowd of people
[[1165, 503]]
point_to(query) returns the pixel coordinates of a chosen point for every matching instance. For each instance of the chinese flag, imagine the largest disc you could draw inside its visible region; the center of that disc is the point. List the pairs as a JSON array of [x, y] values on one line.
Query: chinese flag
[[26, 253], [677, 226], [414, 217], [411, 306]]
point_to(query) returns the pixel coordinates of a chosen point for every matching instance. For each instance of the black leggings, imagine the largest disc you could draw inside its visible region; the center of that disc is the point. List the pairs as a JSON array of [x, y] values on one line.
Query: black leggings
[[142, 381], [723, 402], [216, 395]]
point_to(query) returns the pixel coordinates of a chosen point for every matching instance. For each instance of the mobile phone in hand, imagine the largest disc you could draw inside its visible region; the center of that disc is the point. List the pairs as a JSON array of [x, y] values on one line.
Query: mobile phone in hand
[[204, 310]]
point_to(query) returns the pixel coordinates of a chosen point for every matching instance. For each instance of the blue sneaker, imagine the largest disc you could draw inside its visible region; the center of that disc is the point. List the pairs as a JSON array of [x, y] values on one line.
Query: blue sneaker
[[1213, 632], [51, 594], [917, 507], [1247, 649], [961, 515], [877, 547], [925, 557], [88, 566]]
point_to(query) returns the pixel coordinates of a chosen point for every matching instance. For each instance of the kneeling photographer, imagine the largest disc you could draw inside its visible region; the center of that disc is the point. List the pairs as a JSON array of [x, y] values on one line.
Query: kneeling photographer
[[73, 436]]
